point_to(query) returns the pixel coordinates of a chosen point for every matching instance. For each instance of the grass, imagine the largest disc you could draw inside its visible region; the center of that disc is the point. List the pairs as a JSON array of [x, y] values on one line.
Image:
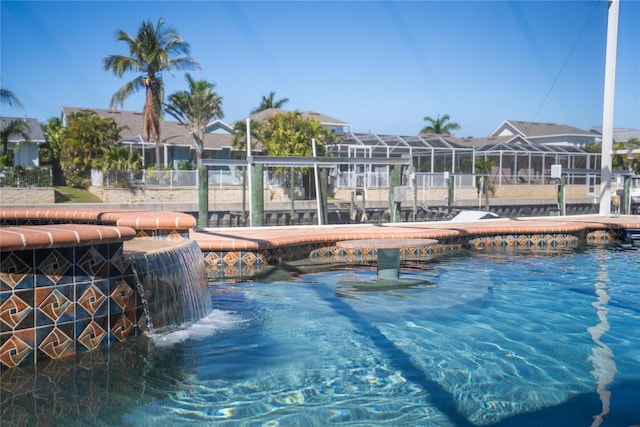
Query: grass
[[74, 195]]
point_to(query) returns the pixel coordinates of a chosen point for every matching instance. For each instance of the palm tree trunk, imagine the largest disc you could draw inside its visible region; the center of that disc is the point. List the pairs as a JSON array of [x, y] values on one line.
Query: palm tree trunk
[[158, 161]]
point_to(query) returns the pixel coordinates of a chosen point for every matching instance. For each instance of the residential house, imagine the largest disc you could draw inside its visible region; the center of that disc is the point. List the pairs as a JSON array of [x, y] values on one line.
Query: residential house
[[176, 143], [545, 133], [25, 151], [619, 134]]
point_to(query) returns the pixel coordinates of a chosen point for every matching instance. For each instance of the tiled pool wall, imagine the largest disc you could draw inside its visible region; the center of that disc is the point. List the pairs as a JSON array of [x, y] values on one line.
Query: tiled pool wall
[[61, 302], [247, 264]]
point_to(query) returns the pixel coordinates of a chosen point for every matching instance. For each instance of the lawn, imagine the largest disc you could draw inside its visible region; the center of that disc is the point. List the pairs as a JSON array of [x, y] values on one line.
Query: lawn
[[74, 195]]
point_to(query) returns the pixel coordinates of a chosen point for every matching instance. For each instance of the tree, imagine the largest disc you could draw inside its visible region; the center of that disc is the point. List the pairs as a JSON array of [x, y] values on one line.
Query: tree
[[439, 126], [240, 134], [269, 102], [14, 127], [9, 98], [194, 109], [50, 152], [289, 134], [627, 161], [154, 50], [84, 141], [120, 159]]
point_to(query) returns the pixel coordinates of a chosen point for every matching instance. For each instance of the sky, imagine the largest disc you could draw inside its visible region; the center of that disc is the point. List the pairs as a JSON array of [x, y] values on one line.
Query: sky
[[381, 66]]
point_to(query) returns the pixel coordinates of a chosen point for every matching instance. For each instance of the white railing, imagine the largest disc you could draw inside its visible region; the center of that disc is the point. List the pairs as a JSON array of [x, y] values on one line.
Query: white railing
[[376, 179], [343, 179]]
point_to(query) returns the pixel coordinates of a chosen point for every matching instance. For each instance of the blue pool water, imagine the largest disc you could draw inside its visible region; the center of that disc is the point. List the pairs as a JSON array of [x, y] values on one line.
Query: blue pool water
[[542, 339]]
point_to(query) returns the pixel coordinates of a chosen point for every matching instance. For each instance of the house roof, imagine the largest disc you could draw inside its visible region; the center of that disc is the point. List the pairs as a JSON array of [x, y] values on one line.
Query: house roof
[[322, 118], [34, 130], [540, 129], [619, 134], [171, 132]]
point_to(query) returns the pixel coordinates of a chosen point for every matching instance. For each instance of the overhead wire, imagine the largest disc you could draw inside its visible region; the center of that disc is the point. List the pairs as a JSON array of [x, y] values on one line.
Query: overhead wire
[[573, 47]]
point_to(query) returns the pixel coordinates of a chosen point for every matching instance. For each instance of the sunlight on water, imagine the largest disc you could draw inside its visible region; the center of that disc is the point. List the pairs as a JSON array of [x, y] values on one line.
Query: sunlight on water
[[482, 340]]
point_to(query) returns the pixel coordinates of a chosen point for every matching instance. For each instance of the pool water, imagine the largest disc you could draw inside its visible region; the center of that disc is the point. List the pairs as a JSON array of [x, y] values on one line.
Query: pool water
[[489, 339]]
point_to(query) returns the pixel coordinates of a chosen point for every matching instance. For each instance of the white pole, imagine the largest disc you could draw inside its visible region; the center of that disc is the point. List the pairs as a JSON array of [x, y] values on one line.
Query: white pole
[[249, 171], [317, 179], [607, 114]]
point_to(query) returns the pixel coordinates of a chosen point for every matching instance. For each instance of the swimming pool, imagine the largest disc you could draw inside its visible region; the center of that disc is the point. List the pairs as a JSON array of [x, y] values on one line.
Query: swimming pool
[[489, 339]]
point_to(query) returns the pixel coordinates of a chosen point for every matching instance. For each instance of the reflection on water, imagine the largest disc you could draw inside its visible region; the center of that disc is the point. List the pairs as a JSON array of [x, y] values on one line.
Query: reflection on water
[[604, 365], [479, 341], [98, 387]]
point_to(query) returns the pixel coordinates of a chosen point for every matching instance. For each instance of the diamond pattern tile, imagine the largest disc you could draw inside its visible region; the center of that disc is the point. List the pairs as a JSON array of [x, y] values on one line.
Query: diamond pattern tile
[[93, 263], [91, 299], [122, 327], [91, 337], [55, 305], [53, 268], [14, 269], [123, 295], [14, 351], [57, 344], [14, 310]]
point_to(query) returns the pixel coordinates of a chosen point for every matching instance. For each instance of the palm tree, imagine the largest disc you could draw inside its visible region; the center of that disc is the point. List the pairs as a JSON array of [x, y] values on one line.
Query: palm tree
[[50, 153], [155, 49], [9, 98], [439, 126], [14, 127], [194, 109], [240, 134], [268, 102]]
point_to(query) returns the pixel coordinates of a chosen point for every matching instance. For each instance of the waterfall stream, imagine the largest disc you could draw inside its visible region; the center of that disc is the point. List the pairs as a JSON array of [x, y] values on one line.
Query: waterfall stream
[[172, 283]]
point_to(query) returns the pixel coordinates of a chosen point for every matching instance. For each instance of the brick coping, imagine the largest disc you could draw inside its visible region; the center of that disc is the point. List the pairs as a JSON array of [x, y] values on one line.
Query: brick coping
[[138, 219], [65, 227], [234, 239], [61, 235], [122, 225]]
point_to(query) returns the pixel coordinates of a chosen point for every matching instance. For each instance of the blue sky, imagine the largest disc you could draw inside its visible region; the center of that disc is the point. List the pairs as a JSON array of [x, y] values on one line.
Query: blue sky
[[381, 66]]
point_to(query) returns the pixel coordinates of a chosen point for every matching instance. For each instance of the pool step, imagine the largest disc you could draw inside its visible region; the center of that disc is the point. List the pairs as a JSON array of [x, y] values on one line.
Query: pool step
[[632, 237]]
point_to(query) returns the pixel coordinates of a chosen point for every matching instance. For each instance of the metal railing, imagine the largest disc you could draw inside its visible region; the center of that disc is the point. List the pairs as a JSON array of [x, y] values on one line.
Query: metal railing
[[341, 179]]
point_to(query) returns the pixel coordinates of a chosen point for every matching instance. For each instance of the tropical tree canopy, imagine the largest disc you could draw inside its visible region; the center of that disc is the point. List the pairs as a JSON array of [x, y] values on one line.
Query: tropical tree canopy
[[83, 142], [9, 98], [289, 134], [627, 161], [14, 127], [155, 49], [118, 158], [285, 134], [440, 125], [269, 102], [194, 109], [50, 152], [240, 133]]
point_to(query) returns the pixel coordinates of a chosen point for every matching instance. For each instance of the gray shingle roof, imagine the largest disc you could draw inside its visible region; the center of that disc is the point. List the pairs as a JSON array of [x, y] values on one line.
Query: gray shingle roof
[[538, 129], [35, 131]]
